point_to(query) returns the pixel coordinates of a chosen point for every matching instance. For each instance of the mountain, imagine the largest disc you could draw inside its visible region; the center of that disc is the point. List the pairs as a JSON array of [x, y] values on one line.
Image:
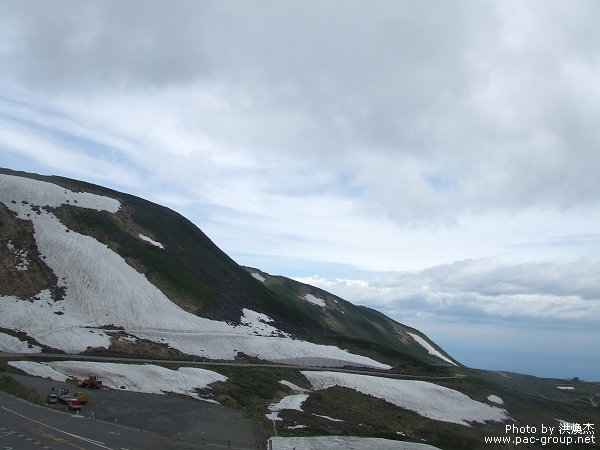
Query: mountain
[[92, 272], [89, 269]]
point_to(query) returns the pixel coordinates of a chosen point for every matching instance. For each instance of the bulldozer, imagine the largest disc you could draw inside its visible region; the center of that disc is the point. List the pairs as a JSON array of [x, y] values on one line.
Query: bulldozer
[[92, 383]]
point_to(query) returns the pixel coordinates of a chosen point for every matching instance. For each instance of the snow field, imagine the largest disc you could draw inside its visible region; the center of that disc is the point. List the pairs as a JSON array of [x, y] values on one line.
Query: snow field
[[41, 193], [344, 443], [430, 349], [38, 370], [12, 344], [102, 289], [427, 399], [147, 378]]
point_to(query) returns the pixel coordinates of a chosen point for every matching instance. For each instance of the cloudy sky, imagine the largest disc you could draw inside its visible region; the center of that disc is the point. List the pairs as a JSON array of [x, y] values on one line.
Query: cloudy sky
[[437, 161]]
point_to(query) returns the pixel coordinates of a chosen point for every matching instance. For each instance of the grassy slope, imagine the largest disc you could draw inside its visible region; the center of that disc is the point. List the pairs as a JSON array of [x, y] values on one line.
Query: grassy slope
[[194, 273]]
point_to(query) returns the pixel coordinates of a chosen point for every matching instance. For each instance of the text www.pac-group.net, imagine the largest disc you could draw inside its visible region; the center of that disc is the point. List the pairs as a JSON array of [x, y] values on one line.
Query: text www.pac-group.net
[[565, 434]]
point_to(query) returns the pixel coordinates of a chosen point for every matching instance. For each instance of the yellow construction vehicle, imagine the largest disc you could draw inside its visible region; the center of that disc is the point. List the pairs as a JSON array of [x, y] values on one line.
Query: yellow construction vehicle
[[81, 397], [92, 382]]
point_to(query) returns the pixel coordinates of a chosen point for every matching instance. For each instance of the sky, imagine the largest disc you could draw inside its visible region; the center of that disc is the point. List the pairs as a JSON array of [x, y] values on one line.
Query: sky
[[436, 161]]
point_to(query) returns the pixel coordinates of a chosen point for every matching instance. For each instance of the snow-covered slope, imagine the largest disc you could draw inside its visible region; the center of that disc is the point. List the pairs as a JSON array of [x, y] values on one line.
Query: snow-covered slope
[[103, 290], [427, 399], [147, 378], [432, 351], [15, 345]]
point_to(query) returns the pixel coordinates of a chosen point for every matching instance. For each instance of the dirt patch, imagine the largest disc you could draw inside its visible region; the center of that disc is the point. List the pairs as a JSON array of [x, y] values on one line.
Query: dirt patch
[[23, 274]]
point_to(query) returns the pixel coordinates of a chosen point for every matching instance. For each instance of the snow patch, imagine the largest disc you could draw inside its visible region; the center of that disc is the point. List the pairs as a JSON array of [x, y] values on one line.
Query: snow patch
[[344, 442], [41, 193], [147, 378], [495, 399], [147, 239], [289, 402], [328, 418], [314, 300], [427, 399], [38, 370], [430, 349], [293, 387], [258, 324], [566, 388], [12, 344], [258, 277], [20, 256]]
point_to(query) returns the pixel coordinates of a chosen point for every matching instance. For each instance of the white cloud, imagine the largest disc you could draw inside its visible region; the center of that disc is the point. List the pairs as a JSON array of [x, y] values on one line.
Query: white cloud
[[497, 287], [387, 137]]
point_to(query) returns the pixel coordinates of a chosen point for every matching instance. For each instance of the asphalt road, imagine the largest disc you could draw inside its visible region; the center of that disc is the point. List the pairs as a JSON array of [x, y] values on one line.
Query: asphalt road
[[29, 427], [166, 415], [370, 371]]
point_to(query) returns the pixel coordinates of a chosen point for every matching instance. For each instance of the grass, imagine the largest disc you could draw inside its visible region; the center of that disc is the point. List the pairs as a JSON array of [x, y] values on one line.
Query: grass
[[12, 387]]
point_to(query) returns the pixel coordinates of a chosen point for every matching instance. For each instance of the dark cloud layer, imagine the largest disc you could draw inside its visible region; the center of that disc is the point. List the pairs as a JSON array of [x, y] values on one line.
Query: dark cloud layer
[[437, 110]]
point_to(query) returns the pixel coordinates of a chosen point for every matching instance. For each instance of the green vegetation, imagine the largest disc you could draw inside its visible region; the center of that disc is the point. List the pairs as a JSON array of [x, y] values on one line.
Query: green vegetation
[[10, 386]]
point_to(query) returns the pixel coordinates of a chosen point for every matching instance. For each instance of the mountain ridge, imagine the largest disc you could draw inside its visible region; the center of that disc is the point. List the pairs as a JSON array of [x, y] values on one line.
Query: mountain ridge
[[197, 276]]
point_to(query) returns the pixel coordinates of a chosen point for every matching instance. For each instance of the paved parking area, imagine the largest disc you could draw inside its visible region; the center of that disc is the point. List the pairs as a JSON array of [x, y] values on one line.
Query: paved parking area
[[163, 414]]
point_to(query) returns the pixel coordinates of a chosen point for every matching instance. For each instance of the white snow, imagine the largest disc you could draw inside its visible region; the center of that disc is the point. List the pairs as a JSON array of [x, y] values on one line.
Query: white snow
[[41, 193], [273, 416], [328, 418], [258, 324], [293, 387], [258, 277], [147, 239], [102, 289], [427, 399], [147, 378], [566, 388], [12, 344], [314, 300], [495, 399], [430, 349], [344, 443], [289, 402], [21, 261], [38, 370]]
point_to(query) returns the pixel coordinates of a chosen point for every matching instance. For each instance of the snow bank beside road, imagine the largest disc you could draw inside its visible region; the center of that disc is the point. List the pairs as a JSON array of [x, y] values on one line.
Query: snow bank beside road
[[38, 370], [427, 399], [147, 378]]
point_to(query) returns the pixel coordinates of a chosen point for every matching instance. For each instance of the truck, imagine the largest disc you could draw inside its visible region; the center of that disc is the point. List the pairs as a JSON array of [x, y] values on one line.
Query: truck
[[81, 397], [64, 395], [74, 404]]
